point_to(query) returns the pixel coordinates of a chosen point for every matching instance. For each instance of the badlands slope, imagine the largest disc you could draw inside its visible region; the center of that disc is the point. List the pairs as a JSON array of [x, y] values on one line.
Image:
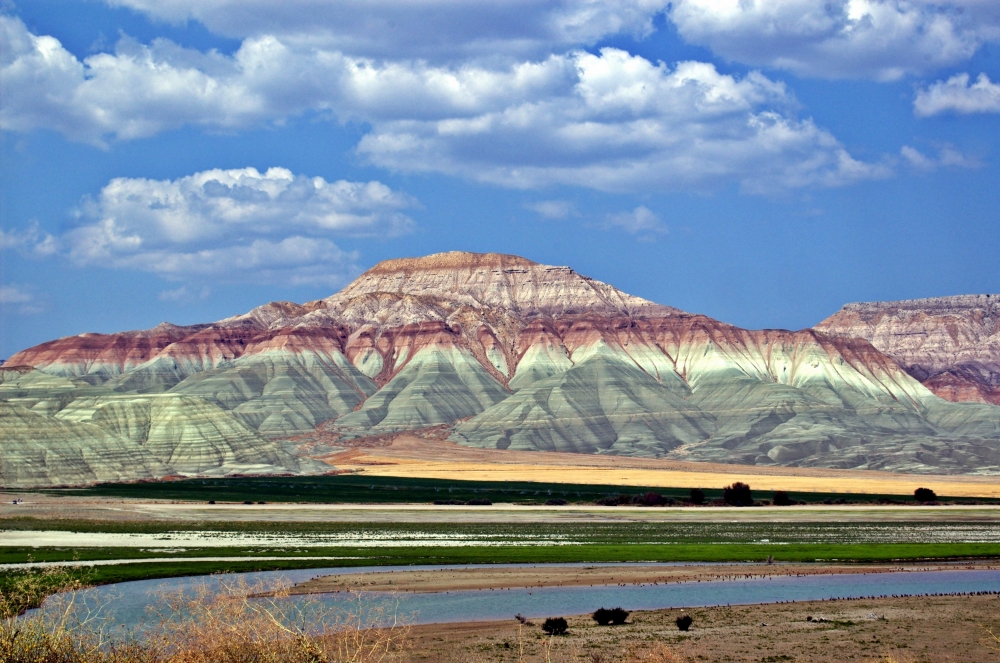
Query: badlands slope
[[505, 353]]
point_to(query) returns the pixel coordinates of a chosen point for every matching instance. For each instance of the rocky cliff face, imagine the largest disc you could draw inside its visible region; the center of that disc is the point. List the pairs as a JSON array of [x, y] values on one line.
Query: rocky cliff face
[[950, 344], [507, 353]]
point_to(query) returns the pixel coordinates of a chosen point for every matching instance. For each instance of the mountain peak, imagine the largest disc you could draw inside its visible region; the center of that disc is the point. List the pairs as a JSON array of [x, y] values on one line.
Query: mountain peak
[[451, 260]]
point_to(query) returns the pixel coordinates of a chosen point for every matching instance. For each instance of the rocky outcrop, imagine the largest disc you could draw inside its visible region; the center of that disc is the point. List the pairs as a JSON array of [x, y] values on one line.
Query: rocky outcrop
[[950, 344], [511, 354]]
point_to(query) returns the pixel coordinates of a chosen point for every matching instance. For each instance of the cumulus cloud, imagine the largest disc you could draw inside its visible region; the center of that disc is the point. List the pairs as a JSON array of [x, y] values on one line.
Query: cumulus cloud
[[956, 95], [610, 121], [877, 39], [552, 209], [429, 29], [641, 220], [619, 122], [230, 225]]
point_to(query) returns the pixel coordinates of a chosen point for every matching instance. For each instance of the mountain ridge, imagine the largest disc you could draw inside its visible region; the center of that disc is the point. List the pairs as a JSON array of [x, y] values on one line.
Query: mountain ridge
[[508, 353]]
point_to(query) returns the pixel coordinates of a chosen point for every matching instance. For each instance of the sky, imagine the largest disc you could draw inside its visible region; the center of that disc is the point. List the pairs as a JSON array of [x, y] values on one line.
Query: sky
[[760, 161]]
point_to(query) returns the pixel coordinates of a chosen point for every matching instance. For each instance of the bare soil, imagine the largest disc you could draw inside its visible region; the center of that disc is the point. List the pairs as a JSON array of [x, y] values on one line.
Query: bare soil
[[910, 630]]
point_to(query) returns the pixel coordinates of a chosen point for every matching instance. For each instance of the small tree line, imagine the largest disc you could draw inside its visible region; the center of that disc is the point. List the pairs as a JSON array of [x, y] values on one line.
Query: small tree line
[[737, 493]]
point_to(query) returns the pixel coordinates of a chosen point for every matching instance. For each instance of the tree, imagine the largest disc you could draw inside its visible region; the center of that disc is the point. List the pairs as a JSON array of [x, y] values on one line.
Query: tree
[[781, 498], [925, 495], [697, 496], [684, 622], [651, 499], [737, 494], [555, 625]]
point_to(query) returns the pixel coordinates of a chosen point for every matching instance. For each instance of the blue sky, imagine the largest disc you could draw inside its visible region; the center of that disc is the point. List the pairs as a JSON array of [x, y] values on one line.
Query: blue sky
[[762, 163]]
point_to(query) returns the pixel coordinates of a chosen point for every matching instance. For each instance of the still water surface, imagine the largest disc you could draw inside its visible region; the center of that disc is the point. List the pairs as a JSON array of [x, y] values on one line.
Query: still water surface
[[130, 603]]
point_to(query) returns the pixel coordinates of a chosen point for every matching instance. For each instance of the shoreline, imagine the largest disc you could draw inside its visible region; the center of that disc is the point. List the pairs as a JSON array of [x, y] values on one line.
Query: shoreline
[[501, 578]]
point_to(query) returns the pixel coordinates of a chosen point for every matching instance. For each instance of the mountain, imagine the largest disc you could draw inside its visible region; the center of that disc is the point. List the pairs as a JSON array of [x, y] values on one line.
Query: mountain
[[504, 353], [950, 344]]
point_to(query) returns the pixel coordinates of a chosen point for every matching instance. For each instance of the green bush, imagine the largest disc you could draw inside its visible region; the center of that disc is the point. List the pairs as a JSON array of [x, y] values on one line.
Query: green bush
[[555, 626], [616, 616], [781, 498]]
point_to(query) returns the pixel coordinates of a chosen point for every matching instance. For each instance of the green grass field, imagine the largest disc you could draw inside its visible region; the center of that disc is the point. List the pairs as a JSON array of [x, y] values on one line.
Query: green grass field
[[353, 489], [355, 557]]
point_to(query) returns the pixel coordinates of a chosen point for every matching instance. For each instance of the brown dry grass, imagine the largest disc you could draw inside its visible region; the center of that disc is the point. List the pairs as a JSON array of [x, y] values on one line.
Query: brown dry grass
[[241, 623]]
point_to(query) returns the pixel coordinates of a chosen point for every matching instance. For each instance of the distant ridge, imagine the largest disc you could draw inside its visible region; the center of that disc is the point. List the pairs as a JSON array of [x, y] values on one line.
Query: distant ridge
[[451, 260], [951, 344]]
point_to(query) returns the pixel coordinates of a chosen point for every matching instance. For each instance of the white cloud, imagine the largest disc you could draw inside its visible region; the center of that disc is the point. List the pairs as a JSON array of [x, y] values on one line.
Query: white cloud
[[622, 123], [878, 39], [428, 29], [217, 203], [185, 294], [956, 95], [10, 294], [552, 209], [641, 220], [294, 260], [32, 240], [947, 156], [609, 121], [230, 225], [20, 299]]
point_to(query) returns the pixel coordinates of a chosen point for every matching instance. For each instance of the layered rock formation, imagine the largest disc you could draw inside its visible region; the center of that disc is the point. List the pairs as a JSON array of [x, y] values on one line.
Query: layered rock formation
[[508, 353], [950, 344]]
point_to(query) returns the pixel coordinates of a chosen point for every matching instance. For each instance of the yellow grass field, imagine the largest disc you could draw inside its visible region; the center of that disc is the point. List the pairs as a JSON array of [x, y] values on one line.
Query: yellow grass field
[[411, 457]]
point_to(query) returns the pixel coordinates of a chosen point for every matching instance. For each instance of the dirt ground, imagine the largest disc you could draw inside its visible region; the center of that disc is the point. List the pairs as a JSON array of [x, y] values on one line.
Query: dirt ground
[[910, 630], [42, 506], [499, 578]]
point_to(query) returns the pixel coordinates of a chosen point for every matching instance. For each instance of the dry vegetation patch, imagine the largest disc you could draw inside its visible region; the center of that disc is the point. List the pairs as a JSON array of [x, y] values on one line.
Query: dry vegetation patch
[[244, 622]]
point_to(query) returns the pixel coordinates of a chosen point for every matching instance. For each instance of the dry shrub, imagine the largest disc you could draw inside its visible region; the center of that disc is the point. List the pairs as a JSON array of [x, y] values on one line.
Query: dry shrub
[[892, 658], [23, 591], [991, 638], [259, 622], [70, 628], [239, 623], [657, 652]]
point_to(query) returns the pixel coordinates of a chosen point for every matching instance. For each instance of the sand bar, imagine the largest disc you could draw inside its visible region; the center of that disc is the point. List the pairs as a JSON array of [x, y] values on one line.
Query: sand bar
[[525, 577]]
